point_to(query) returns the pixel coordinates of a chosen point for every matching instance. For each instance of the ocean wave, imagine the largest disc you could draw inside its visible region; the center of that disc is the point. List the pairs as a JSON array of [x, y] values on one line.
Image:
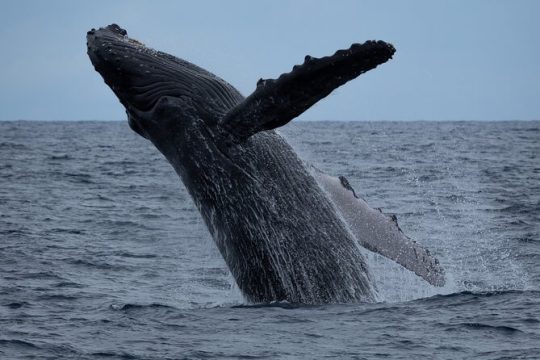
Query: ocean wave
[[153, 307], [12, 146], [60, 157], [58, 297], [98, 264], [18, 344], [16, 305], [113, 354], [481, 326], [277, 304], [481, 294]]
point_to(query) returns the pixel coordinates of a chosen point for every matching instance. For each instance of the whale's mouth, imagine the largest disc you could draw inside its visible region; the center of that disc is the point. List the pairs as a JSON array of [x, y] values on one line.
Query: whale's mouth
[[141, 76], [137, 74]]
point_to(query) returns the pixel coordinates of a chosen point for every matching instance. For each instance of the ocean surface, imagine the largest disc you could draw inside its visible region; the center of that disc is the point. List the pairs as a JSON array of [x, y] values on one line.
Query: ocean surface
[[103, 255]]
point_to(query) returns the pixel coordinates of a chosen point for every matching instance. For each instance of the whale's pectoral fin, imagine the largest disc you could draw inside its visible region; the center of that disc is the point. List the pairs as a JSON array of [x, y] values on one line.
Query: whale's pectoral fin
[[378, 232], [276, 102]]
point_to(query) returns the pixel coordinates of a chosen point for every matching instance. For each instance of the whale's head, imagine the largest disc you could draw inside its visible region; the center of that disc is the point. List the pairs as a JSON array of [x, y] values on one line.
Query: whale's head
[[144, 79]]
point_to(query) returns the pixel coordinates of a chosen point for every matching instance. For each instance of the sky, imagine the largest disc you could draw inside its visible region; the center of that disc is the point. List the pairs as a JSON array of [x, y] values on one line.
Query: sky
[[455, 60]]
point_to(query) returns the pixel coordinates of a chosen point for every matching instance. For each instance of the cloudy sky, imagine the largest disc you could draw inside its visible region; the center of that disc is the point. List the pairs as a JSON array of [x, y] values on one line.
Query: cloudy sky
[[455, 60]]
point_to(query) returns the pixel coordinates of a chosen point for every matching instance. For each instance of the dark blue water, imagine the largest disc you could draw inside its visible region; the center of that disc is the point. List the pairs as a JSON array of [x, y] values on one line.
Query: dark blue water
[[103, 255]]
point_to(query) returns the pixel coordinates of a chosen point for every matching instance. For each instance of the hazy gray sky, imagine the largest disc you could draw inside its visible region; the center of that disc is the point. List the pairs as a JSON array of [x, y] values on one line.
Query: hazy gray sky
[[471, 60]]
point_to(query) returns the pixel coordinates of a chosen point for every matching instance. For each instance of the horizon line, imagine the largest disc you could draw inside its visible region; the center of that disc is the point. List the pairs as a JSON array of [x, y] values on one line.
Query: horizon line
[[299, 120]]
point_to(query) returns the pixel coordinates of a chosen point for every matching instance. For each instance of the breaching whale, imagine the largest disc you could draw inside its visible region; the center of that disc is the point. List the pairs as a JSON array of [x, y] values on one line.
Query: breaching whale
[[286, 230]]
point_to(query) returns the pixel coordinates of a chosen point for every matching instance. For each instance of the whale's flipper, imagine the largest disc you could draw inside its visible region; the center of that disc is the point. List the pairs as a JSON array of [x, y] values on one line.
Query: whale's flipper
[[276, 102], [378, 232]]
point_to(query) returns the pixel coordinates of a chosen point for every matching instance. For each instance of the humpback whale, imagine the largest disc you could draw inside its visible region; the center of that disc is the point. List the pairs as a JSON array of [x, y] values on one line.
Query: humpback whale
[[287, 231]]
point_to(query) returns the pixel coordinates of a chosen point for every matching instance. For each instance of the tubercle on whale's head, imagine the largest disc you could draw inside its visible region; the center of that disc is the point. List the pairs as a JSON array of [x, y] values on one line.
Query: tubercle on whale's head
[[141, 77]]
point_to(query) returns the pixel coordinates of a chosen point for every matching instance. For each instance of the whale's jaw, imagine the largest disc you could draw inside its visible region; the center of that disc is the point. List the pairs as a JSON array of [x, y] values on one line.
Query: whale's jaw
[[125, 65], [141, 77]]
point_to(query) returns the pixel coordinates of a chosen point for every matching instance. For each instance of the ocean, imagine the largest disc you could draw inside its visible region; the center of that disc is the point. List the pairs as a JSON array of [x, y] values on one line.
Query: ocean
[[104, 256]]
